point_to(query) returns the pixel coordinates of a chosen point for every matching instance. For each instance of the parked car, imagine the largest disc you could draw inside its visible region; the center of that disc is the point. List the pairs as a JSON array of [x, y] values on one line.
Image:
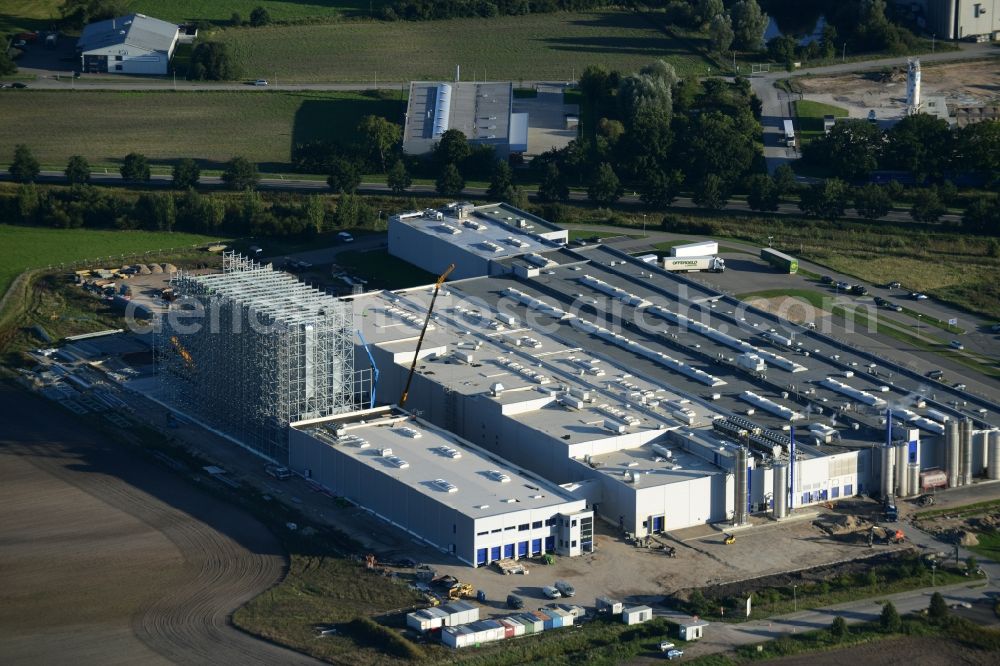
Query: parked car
[[895, 307], [20, 44], [843, 286], [515, 602], [666, 646], [826, 279], [565, 588], [345, 237], [935, 374], [551, 592], [893, 285], [280, 473], [675, 654], [859, 290], [959, 387], [917, 296], [880, 301]]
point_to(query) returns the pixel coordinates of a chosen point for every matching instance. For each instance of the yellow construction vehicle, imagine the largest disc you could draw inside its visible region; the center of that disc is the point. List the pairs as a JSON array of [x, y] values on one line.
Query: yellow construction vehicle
[[730, 539], [461, 591]]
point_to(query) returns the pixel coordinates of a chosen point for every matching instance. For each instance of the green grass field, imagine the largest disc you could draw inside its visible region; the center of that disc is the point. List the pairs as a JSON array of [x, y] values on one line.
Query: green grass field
[[22, 248], [209, 126], [810, 114], [554, 47], [18, 15]]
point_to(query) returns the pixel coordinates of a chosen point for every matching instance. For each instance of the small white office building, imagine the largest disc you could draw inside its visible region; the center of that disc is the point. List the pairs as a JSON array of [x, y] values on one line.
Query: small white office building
[[132, 44]]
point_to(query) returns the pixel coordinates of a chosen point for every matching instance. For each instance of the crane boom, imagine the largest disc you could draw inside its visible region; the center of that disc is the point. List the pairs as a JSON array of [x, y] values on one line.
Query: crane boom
[[420, 340]]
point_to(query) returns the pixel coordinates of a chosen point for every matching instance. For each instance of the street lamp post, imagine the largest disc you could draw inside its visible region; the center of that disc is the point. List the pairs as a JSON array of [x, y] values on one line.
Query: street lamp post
[[644, 225], [933, 572], [795, 598], [769, 239], [933, 38]]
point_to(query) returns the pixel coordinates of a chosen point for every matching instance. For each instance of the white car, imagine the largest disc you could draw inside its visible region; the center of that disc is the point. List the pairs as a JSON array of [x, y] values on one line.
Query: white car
[[345, 237], [260, 82], [666, 645], [551, 592]]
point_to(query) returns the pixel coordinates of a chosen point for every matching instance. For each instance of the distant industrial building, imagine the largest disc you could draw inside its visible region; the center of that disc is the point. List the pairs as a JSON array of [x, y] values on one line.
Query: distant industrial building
[[959, 19], [132, 44], [251, 349], [481, 111], [475, 238], [431, 484]]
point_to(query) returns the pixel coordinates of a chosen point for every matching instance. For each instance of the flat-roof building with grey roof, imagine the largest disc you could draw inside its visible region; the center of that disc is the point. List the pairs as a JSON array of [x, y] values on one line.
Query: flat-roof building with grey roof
[[132, 44], [441, 489], [480, 111], [477, 239]]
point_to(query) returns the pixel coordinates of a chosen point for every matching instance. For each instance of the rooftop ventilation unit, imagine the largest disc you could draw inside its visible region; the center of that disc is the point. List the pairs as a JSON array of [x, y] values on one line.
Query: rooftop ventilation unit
[[449, 452], [497, 475], [385, 453], [397, 462], [447, 487], [412, 433]]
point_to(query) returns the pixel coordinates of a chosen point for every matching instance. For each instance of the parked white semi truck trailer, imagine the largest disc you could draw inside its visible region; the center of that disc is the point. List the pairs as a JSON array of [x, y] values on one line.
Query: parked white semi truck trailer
[[692, 264]]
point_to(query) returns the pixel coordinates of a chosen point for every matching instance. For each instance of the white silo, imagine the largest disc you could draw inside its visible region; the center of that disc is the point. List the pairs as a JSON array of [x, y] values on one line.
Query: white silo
[[913, 86]]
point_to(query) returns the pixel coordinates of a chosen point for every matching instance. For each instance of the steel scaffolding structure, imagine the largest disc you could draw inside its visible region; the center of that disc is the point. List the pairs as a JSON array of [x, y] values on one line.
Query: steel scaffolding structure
[[250, 349]]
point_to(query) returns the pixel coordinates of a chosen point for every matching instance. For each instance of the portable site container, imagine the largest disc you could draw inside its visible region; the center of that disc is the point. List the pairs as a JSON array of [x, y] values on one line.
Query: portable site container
[[545, 618], [459, 612], [520, 628], [508, 627], [456, 637], [488, 631], [560, 617], [637, 614], [609, 606], [426, 619], [532, 624]]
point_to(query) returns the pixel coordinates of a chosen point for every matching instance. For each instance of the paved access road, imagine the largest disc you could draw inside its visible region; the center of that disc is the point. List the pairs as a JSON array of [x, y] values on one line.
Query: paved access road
[[115, 560]]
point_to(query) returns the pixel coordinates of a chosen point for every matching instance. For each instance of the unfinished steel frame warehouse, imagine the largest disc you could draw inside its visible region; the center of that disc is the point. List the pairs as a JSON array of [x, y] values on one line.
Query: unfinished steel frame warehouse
[[251, 349]]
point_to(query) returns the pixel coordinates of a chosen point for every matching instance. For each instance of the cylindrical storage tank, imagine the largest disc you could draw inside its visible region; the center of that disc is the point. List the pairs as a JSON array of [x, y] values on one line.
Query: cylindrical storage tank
[[888, 458], [913, 480], [951, 453], [780, 509], [967, 452], [993, 455], [740, 478], [900, 478]]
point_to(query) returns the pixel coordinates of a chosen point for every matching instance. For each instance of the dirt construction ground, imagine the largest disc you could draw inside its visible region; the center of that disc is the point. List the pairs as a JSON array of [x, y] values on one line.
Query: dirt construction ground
[[116, 561], [963, 84]]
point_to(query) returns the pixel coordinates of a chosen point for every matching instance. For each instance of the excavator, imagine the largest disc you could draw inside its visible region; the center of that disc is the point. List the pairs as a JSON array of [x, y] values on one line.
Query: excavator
[[420, 340], [730, 539]]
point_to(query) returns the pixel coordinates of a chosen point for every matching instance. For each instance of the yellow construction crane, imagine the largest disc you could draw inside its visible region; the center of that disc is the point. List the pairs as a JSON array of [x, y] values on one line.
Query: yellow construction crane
[[420, 340], [185, 354]]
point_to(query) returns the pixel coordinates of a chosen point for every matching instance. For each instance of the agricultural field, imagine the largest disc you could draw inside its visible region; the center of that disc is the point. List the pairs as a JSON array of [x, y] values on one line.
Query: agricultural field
[[220, 11], [22, 248], [552, 47], [212, 127]]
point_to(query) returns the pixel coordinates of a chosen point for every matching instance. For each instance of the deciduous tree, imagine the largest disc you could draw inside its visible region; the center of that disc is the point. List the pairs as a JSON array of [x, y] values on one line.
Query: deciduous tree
[[398, 179], [77, 170], [135, 168], [344, 176], [240, 174], [186, 173], [604, 188], [450, 183]]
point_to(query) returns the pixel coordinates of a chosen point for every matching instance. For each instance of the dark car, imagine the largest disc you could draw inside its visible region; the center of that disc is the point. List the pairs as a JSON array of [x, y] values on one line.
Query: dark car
[[826, 279], [18, 84], [515, 602], [859, 290], [893, 285], [880, 301]]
